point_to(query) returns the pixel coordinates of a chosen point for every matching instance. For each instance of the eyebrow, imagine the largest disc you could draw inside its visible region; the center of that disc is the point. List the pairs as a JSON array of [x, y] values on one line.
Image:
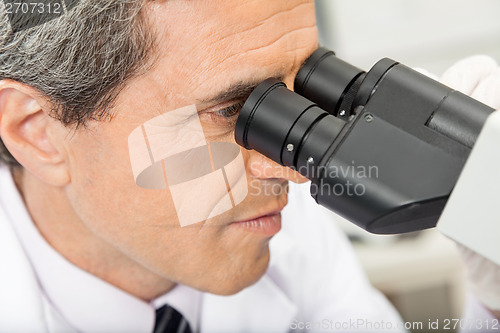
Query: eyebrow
[[237, 91]]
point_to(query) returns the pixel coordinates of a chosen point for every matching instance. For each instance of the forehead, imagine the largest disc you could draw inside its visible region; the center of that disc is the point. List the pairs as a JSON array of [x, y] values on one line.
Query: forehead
[[208, 45]]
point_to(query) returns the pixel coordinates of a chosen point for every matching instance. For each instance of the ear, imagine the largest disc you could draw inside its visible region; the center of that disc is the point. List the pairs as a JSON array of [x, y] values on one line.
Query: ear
[[30, 134]]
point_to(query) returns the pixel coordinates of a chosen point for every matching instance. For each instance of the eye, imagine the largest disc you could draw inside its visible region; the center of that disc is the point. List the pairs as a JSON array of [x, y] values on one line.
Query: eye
[[226, 115]]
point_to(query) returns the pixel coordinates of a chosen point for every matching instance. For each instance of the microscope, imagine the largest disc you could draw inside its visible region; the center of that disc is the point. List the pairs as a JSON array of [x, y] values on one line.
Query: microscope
[[390, 150]]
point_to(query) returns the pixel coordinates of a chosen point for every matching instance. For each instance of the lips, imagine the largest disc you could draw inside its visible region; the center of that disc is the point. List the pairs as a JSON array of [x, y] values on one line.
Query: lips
[[268, 224]]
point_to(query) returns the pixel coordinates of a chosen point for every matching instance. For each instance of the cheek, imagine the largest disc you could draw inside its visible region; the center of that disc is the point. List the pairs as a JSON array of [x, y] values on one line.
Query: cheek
[[103, 190]]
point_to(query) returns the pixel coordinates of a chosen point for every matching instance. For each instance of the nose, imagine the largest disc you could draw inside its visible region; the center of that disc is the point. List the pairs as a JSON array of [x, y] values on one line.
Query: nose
[[262, 167]]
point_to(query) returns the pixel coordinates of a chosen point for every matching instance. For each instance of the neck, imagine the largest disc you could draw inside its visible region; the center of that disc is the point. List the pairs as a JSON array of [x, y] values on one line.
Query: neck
[[58, 223]]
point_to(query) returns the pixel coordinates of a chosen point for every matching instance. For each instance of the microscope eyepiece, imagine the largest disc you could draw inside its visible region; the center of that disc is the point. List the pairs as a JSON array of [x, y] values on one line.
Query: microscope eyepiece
[[285, 126], [330, 82]]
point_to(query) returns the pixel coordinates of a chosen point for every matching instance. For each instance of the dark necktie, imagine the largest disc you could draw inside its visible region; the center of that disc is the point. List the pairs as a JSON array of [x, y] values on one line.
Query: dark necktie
[[169, 320]]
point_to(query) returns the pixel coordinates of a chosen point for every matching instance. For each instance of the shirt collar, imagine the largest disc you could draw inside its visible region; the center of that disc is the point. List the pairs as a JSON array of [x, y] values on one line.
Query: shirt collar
[[86, 302], [185, 300]]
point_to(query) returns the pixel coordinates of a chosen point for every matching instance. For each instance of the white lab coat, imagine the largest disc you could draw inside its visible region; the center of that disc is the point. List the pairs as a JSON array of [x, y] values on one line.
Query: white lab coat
[[313, 280]]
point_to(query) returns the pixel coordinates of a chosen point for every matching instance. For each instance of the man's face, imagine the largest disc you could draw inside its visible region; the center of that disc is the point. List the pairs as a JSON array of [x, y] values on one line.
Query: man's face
[[205, 48]]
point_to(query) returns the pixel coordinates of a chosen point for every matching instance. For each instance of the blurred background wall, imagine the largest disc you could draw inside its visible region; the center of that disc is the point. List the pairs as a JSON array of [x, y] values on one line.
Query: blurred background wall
[[420, 273], [431, 34]]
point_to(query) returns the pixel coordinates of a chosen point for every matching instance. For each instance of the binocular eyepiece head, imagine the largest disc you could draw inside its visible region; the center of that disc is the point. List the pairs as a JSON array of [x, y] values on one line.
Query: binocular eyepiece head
[[342, 122]]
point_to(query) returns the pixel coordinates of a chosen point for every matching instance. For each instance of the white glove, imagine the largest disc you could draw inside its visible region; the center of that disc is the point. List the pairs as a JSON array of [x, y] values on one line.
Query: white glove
[[479, 77], [483, 276]]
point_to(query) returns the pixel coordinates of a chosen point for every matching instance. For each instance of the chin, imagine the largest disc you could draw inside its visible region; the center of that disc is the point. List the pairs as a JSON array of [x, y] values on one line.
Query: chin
[[234, 282]]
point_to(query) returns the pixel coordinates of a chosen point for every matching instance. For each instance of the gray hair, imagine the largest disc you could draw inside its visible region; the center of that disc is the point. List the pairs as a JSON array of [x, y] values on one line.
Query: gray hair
[[80, 61]]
